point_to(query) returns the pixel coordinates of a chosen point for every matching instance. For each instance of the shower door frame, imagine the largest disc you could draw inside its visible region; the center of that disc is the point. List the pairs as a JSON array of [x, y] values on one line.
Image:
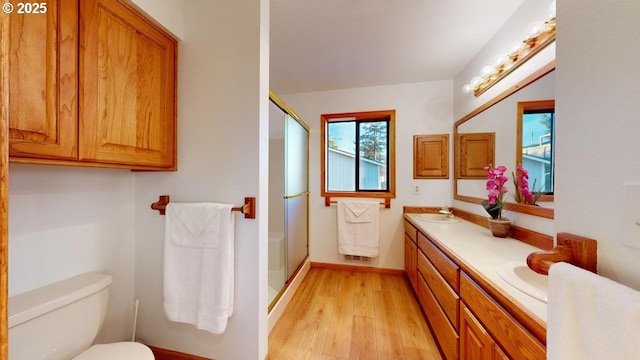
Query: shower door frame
[[291, 274]]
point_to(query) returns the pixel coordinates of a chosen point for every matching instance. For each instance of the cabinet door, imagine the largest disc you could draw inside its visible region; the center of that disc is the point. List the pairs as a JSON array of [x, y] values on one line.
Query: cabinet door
[[127, 81], [475, 341], [516, 341], [43, 78], [410, 260], [431, 156], [476, 150]]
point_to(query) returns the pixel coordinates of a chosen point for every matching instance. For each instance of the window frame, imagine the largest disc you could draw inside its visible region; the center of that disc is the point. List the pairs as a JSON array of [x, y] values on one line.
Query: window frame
[[365, 116], [525, 107]]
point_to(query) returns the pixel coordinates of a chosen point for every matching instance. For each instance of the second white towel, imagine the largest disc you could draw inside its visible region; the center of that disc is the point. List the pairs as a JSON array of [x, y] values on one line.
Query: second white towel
[[199, 264], [358, 227], [590, 317]]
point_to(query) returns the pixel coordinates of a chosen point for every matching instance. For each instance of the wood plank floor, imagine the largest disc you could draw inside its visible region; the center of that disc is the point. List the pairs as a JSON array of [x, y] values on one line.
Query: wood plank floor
[[339, 314]]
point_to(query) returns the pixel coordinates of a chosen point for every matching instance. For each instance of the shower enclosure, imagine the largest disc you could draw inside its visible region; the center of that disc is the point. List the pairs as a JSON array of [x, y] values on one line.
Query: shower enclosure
[[288, 195]]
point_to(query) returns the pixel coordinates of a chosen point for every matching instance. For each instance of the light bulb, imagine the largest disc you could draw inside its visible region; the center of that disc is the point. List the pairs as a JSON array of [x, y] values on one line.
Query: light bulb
[[467, 89], [487, 71], [516, 48], [535, 28], [499, 61], [476, 81]]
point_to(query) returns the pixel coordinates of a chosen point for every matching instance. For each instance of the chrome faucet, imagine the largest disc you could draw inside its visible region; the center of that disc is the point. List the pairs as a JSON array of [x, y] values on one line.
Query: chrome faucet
[[445, 210]]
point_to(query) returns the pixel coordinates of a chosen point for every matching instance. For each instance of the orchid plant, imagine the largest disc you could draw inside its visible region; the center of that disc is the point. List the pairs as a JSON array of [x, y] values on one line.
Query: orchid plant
[[522, 193], [496, 181]]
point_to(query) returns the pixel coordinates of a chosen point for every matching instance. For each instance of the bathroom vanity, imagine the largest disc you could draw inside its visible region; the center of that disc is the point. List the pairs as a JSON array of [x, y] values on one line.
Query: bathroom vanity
[[473, 312]]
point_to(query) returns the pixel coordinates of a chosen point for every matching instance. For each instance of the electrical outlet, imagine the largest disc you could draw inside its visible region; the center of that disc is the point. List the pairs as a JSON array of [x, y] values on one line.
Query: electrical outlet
[[416, 189]]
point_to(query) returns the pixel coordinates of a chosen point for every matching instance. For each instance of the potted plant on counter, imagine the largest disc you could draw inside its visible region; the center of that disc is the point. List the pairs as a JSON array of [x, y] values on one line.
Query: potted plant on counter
[[496, 181]]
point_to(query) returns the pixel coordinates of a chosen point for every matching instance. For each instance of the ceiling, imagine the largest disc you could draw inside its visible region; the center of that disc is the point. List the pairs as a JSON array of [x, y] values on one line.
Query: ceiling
[[318, 45]]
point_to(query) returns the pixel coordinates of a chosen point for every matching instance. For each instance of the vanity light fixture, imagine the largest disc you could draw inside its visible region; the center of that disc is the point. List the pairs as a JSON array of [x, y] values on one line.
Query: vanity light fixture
[[539, 35]]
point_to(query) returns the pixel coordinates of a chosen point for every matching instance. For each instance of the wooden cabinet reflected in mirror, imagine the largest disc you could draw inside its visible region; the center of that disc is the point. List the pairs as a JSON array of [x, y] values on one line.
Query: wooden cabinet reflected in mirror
[[476, 151]]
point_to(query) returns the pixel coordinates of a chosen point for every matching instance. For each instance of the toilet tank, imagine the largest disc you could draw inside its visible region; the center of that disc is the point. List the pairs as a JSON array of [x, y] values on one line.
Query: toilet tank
[[58, 321]]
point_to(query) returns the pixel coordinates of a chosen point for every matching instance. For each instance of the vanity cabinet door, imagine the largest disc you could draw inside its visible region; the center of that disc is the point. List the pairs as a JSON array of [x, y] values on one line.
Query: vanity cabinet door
[[43, 78], [127, 82], [516, 341], [410, 260], [444, 332], [411, 253], [475, 341], [447, 298]]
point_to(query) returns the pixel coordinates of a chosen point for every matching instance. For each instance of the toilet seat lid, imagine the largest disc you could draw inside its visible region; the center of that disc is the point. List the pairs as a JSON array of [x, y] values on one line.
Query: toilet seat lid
[[119, 350]]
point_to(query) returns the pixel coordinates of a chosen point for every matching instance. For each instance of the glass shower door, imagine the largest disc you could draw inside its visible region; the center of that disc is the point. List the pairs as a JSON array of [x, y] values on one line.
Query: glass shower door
[[296, 194], [288, 197]]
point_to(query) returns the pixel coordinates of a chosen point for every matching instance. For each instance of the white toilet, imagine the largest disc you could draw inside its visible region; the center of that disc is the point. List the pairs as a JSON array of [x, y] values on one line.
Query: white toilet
[[60, 321]]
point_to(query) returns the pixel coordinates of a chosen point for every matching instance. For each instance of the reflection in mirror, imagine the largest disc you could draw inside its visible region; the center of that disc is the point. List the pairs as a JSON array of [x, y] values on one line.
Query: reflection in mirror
[[535, 144], [501, 117]]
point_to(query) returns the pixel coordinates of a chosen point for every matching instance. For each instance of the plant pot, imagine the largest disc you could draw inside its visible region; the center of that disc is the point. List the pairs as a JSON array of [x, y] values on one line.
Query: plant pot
[[499, 227]]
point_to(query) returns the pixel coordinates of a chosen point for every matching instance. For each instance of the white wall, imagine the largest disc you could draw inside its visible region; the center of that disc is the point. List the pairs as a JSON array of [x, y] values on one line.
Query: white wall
[[598, 127], [65, 221], [421, 108], [167, 13], [222, 157]]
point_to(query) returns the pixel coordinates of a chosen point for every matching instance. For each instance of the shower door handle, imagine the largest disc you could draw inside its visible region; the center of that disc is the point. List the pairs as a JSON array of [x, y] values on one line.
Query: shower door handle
[[287, 197]]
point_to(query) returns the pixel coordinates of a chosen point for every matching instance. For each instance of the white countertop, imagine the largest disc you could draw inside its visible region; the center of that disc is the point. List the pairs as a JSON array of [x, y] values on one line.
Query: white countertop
[[476, 246]]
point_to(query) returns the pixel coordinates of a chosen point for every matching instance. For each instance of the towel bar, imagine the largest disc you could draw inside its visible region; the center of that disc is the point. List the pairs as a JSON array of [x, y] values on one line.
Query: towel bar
[[248, 209], [577, 250], [328, 202]]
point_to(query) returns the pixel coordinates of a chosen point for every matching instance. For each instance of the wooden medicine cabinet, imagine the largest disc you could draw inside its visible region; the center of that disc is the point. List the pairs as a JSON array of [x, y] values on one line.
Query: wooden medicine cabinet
[[431, 156], [92, 83]]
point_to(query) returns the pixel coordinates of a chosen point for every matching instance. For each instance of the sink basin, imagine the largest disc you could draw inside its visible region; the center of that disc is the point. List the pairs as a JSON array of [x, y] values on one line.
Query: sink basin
[[437, 218], [518, 275]]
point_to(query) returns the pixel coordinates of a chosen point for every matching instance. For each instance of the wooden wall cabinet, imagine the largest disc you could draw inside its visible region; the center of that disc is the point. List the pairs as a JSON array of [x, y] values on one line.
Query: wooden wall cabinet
[[103, 92], [127, 77], [43, 82], [431, 156], [474, 151]]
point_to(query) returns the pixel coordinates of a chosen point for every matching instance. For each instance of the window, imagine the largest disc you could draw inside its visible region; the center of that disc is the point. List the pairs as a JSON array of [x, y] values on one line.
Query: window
[[358, 157], [536, 144]]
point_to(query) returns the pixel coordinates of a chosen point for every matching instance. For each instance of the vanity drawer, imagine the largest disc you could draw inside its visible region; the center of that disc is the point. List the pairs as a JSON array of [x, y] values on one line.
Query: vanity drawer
[[448, 299], [411, 231], [445, 334], [517, 342], [445, 266]]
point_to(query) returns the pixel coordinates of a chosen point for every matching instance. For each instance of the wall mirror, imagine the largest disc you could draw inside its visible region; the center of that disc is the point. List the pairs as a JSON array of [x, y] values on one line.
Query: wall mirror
[[518, 125]]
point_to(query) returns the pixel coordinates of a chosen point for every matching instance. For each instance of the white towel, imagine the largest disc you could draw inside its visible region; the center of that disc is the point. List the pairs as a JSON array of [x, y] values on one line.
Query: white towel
[[591, 317], [199, 264], [358, 227]]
